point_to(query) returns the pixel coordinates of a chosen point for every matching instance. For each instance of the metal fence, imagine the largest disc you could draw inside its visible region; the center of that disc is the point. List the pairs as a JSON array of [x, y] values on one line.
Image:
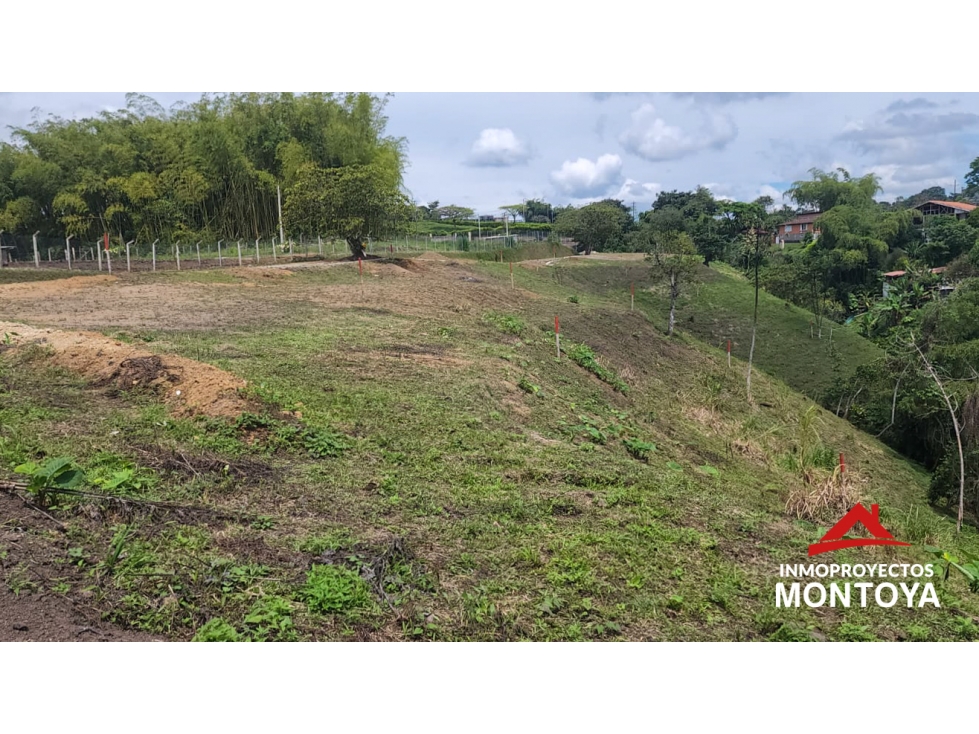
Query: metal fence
[[75, 254]]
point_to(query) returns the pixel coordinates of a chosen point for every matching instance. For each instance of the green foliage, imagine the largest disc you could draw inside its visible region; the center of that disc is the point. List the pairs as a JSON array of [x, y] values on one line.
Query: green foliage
[[828, 190], [333, 589], [583, 356], [528, 387], [353, 203], [638, 448], [506, 323], [594, 227], [57, 473], [969, 568], [324, 443], [207, 169], [216, 630], [270, 619]]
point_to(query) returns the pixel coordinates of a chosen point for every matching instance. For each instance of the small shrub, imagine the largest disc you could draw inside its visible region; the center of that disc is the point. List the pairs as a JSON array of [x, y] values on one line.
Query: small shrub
[[825, 498], [270, 619], [216, 630], [528, 387], [574, 299], [332, 589], [638, 448], [324, 443], [583, 356], [505, 323]]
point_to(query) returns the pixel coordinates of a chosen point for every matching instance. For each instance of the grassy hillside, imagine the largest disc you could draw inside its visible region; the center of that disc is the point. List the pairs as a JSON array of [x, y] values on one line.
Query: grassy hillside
[[420, 465], [716, 307]]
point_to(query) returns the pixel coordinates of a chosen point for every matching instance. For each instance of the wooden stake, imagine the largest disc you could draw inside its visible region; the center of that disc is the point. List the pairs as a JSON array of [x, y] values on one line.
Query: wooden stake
[[511, 275], [557, 336], [632, 297], [258, 255], [842, 465], [176, 252], [198, 246], [108, 261], [219, 253], [729, 353], [239, 253], [154, 256], [128, 267]]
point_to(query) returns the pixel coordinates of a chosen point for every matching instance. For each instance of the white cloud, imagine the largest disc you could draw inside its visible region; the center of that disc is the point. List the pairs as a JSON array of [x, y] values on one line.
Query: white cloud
[[726, 97], [766, 190], [585, 178], [498, 147], [633, 190], [650, 137]]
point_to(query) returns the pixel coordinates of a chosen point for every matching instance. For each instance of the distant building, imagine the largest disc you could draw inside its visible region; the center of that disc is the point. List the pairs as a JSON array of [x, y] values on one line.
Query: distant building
[[890, 277], [797, 228], [956, 209]]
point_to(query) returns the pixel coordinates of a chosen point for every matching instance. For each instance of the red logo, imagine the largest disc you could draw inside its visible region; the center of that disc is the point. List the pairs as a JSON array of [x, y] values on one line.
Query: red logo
[[834, 540]]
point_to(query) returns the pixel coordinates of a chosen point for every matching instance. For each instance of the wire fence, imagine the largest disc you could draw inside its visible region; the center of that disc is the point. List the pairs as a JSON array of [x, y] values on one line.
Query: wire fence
[[22, 251]]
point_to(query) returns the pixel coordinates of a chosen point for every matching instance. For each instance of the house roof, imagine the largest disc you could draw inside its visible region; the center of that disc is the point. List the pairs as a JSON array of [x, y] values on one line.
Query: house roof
[[961, 206], [807, 218], [899, 273]]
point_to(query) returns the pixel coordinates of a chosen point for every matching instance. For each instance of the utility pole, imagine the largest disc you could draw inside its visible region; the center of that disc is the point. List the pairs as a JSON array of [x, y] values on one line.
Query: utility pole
[[282, 233]]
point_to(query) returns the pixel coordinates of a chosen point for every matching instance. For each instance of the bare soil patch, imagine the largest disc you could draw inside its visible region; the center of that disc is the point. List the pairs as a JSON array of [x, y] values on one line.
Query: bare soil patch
[[187, 386]]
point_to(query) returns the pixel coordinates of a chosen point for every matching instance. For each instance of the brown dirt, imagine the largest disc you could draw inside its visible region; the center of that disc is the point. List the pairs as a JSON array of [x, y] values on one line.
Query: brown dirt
[[187, 386], [48, 288], [33, 564]]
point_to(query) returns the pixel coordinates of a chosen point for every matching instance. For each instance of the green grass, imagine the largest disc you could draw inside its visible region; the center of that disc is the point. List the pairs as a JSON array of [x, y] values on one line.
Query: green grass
[[503, 495]]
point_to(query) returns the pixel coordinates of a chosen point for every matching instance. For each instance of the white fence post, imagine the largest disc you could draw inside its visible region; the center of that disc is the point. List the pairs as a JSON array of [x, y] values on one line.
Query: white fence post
[[128, 266], [37, 259], [219, 253]]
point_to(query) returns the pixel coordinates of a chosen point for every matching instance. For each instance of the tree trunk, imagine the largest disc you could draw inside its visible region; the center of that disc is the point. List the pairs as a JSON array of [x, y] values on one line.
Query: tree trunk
[[674, 293], [754, 329], [356, 245], [958, 435]]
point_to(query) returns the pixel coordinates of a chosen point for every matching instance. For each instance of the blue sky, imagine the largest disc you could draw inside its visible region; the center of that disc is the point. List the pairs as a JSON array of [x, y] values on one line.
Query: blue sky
[[485, 150]]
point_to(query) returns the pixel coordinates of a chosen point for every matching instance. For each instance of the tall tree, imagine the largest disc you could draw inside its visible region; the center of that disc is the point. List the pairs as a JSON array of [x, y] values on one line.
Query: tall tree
[[593, 226], [354, 202]]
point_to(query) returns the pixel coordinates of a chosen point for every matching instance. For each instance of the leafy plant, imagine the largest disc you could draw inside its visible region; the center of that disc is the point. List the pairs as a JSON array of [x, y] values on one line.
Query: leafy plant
[[58, 473], [528, 387], [573, 299], [324, 443], [638, 448], [505, 323], [270, 619], [968, 568], [216, 630], [583, 356], [332, 589]]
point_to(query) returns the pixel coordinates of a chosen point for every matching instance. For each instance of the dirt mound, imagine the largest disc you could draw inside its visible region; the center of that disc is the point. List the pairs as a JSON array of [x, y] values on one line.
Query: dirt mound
[[187, 386], [432, 256], [45, 288]]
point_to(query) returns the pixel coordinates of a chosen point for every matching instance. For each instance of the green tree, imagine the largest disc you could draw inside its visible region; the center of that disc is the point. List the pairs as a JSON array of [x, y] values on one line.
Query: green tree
[[593, 226], [674, 259], [947, 238], [827, 190], [972, 180], [354, 203]]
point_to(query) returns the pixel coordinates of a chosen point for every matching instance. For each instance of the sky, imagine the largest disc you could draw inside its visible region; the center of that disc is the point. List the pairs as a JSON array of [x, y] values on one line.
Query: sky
[[486, 150]]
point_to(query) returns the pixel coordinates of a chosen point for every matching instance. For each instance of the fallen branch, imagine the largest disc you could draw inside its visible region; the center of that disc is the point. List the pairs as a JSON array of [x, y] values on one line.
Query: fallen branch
[[9, 488]]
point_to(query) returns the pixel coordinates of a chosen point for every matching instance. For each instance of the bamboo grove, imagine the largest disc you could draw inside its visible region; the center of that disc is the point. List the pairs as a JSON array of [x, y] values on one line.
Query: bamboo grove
[[209, 170]]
